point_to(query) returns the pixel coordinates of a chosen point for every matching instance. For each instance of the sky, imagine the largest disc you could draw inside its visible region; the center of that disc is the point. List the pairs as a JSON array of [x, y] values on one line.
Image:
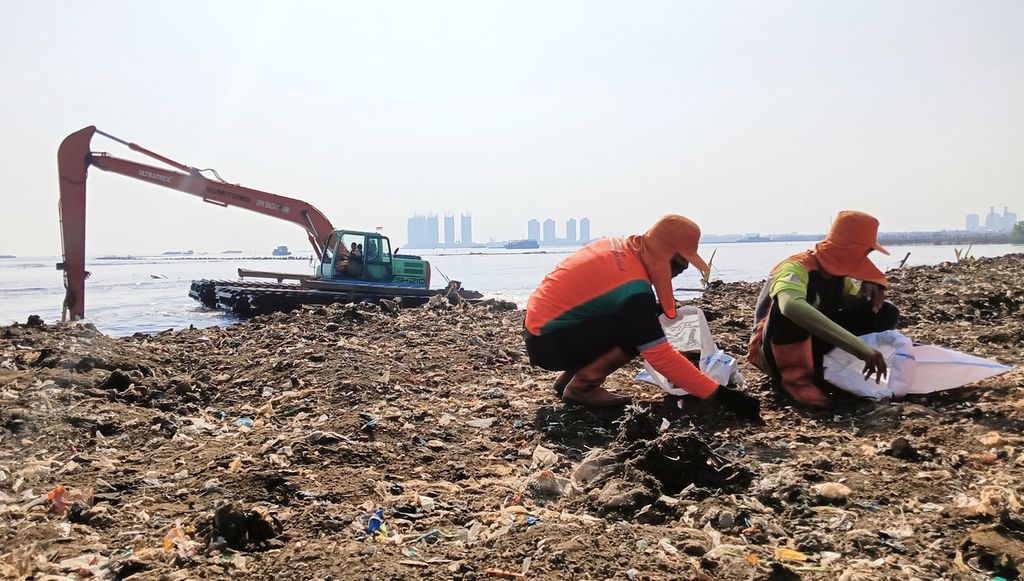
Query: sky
[[744, 116]]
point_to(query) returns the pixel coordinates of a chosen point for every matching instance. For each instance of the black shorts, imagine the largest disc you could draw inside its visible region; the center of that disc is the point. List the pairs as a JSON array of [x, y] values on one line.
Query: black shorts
[[574, 347]]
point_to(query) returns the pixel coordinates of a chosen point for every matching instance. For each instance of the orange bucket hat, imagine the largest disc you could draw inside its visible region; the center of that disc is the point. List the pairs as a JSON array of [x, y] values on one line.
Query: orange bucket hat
[[671, 235], [844, 250]]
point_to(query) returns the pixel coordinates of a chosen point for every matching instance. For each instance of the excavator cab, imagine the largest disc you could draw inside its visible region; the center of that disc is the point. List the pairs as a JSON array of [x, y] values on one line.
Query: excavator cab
[[350, 255]]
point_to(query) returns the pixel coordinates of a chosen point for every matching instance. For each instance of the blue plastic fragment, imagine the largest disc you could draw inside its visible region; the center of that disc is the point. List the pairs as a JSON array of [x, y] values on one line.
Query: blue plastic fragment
[[376, 520], [247, 422]]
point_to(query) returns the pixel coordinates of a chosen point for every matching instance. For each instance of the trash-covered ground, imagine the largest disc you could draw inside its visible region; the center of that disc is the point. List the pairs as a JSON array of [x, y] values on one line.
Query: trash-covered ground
[[356, 442]]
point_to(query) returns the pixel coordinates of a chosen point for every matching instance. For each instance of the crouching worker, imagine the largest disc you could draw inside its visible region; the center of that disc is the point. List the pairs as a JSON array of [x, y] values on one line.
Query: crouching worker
[[595, 312], [812, 304]]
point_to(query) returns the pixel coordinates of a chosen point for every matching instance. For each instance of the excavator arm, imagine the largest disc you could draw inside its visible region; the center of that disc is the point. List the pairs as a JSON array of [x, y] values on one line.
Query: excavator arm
[[73, 160]]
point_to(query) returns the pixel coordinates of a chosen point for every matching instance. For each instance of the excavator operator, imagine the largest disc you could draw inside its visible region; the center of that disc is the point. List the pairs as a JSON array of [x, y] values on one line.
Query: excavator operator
[[596, 311]]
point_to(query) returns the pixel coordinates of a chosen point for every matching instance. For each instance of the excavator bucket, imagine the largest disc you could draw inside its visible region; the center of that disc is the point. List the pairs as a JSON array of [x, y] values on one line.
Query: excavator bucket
[[72, 167]]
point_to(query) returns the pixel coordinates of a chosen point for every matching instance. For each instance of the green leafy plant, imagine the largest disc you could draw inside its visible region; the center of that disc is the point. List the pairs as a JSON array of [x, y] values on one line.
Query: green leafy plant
[[1017, 235]]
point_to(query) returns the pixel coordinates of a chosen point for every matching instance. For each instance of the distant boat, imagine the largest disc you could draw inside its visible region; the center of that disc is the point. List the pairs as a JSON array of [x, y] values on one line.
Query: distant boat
[[282, 251], [522, 244], [178, 253], [7, 256], [232, 252]]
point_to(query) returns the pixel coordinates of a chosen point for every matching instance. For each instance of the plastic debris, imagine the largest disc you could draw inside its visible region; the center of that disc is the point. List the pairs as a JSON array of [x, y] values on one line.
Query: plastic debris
[[161, 448], [787, 554]]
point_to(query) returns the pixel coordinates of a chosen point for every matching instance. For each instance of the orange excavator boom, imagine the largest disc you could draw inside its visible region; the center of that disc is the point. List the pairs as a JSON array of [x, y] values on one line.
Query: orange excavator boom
[[73, 160]]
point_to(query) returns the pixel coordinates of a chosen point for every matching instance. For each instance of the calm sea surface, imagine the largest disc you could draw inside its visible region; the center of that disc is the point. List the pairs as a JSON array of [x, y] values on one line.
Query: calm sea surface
[[150, 293]]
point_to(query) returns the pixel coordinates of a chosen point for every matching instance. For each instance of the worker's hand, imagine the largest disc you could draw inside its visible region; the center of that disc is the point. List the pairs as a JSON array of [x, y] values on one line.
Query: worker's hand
[[739, 403], [875, 365], [873, 293]]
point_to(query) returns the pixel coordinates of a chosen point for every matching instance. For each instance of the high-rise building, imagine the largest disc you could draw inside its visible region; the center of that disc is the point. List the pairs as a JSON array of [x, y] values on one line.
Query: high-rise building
[[973, 223], [533, 230], [1009, 220], [414, 231], [992, 220], [549, 231], [422, 231], [584, 230], [570, 231], [433, 234], [449, 230], [467, 230], [410, 231]]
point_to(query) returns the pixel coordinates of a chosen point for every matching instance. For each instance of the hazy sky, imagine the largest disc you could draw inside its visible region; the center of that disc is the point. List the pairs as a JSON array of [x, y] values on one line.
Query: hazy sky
[[745, 116]]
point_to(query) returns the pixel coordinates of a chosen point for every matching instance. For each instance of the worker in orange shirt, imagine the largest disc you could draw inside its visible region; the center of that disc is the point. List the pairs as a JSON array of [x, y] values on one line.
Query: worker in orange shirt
[[821, 299], [596, 311]]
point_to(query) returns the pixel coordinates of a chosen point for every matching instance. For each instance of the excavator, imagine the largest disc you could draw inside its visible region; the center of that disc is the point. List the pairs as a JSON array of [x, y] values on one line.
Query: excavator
[[342, 275]]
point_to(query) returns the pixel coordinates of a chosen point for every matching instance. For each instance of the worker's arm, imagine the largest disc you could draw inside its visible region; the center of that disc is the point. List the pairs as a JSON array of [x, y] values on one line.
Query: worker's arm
[[640, 321], [794, 306], [639, 318], [678, 369]]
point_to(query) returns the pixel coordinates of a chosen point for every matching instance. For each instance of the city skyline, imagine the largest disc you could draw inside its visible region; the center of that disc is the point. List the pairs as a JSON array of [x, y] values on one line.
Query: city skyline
[[423, 231], [547, 232], [994, 222], [549, 236]]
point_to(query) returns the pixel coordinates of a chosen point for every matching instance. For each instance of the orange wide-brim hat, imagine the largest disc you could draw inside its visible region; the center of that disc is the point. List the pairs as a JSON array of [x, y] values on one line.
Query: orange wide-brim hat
[[671, 235], [844, 250]]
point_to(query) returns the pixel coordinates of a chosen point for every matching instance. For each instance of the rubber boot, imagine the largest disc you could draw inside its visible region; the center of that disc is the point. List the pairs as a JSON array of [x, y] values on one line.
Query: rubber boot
[[563, 380], [795, 363], [585, 387]]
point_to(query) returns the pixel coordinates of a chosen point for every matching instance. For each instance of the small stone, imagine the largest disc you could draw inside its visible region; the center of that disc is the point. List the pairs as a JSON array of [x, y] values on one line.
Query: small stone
[[547, 485], [693, 548], [726, 520], [991, 439], [832, 492], [902, 448]]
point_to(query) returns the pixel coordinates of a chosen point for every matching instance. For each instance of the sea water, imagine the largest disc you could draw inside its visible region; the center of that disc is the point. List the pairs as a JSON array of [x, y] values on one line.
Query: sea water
[[150, 293]]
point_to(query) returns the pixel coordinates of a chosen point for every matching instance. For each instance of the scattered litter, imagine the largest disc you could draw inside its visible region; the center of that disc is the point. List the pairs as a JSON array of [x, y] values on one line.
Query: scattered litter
[[362, 450], [481, 423]]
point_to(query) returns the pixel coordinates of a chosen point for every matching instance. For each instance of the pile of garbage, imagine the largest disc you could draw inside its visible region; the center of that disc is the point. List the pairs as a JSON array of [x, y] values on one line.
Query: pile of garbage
[[355, 441]]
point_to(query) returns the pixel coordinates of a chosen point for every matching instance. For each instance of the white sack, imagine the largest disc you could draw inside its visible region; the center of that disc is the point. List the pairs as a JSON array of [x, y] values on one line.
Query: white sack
[[689, 332], [912, 368]]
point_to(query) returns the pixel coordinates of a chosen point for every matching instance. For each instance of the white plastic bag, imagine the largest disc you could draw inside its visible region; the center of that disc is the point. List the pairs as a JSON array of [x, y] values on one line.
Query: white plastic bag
[[845, 371], [689, 332], [912, 368]]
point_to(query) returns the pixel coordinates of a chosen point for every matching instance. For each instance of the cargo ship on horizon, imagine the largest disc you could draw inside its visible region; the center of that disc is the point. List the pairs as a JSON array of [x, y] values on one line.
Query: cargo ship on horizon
[[525, 244]]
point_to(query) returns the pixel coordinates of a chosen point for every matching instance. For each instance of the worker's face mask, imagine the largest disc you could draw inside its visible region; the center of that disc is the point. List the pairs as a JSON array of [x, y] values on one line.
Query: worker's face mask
[[679, 264]]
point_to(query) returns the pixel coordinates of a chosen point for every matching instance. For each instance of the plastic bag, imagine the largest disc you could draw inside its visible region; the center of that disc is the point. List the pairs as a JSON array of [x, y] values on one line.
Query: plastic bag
[[845, 371], [689, 332], [912, 368]]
